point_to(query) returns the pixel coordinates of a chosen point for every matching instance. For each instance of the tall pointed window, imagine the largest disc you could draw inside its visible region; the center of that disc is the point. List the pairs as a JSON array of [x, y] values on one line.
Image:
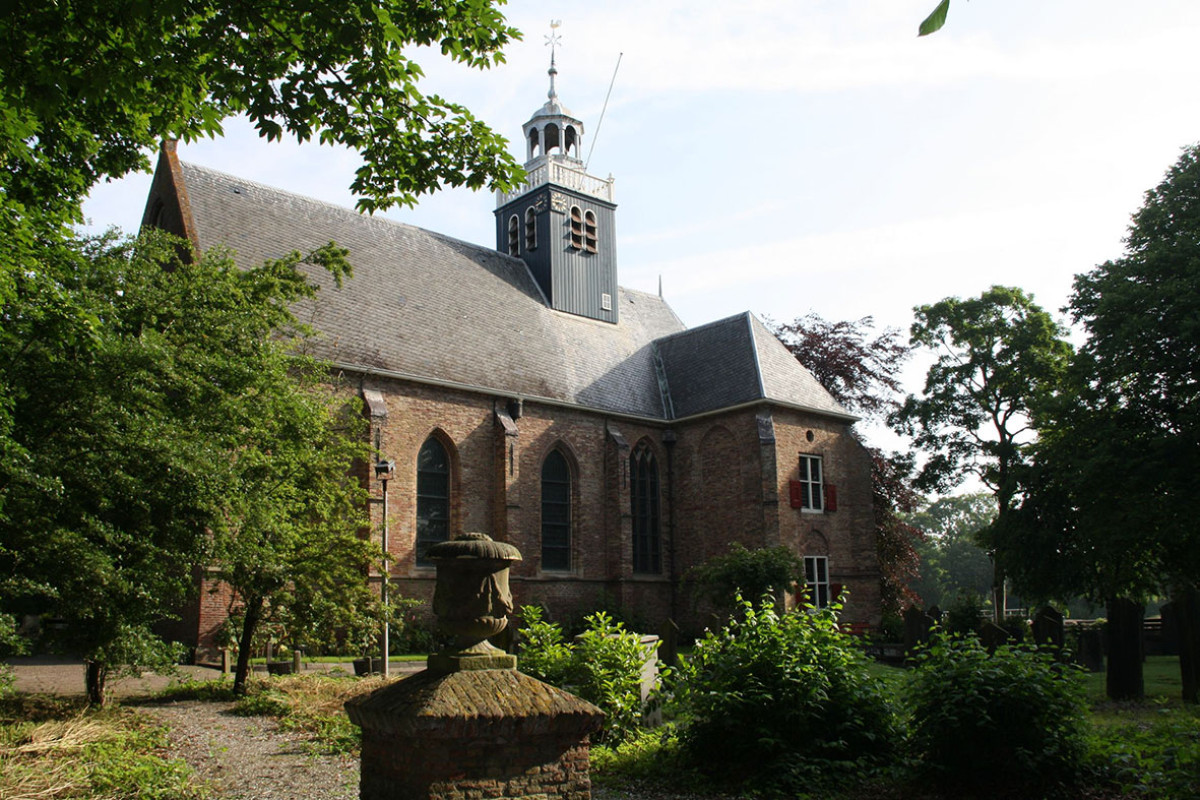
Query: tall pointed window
[[556, 512], [590, 238], [643, 496], [576, 227], [433, 497], [530, 229], [514, 236]]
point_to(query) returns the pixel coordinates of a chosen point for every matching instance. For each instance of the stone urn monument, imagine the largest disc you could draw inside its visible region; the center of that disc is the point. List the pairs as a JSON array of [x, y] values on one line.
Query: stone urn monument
[[472, 601], [470, 724]]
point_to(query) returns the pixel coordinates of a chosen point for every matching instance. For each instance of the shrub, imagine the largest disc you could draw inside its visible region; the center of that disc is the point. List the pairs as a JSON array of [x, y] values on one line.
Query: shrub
[[745, 573], [606, 669], [784, 700], [544, 654], [965, 614], [1014, 719], [603, 665]]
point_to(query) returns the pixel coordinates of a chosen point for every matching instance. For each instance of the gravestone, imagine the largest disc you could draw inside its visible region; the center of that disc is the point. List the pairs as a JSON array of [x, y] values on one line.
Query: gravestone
[[1090, 652], [993, 636], [1048, 628], [917, 628]]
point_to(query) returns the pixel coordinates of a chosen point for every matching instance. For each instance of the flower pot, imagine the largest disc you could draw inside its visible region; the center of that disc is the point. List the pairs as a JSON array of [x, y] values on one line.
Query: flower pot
[[366, 666]]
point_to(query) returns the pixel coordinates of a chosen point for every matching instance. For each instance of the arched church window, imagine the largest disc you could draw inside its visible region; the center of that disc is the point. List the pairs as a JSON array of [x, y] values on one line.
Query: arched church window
[[590, 239], [643, 497], [556, 512], [433, 497], [576, 227], [530, 229], [514, 236]]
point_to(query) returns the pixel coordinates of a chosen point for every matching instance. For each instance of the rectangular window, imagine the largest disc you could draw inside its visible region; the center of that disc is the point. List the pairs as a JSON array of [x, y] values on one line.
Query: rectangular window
[[816, 579], [812, 492]]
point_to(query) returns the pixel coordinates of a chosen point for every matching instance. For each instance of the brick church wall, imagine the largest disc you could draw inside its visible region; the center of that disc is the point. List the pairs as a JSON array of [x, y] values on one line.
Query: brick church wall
[[846, 536], [721, 482]]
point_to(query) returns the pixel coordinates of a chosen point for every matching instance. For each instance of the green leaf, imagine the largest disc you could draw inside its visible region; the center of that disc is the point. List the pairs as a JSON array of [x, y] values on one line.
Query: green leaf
[[936, 20]]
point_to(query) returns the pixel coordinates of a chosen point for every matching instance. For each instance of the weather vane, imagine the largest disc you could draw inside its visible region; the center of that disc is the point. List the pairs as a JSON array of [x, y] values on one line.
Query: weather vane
[[553, 39]]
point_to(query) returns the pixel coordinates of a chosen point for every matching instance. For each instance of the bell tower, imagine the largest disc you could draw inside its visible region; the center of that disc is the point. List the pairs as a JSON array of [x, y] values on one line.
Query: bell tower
[[561, 220]]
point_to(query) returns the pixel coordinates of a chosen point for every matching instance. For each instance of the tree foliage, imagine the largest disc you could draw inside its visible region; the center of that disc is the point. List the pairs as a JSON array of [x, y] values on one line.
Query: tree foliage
[[153, 400], [89, 87], [897, 541], [856, 365], [1113, 495], [120, 429], [1000, 357], [997, 357], [953, 563]]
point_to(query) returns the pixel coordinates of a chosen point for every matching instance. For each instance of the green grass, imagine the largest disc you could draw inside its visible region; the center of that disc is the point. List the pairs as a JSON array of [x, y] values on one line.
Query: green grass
[[55, 749], [1161, 673]]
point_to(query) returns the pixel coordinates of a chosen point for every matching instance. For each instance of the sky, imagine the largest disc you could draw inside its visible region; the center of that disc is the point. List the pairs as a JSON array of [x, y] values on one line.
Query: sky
[[788, 156]]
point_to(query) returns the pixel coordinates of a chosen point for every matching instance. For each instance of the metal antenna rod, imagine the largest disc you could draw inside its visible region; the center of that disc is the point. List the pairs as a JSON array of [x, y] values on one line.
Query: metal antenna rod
[[600, 122]]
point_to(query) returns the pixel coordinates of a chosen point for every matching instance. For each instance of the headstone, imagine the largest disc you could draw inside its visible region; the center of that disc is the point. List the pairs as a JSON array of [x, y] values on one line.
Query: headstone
[[650, 646], [935, 614], [917, 627], [1048, 628], [1090, 653], [993, 636]]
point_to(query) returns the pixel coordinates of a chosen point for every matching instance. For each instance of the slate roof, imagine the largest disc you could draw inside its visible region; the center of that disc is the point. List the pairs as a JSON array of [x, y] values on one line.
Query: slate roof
[[734, 361], [432, 308]]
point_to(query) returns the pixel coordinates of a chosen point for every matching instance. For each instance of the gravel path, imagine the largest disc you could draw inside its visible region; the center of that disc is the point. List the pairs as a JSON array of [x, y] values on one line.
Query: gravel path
[[249, 758]]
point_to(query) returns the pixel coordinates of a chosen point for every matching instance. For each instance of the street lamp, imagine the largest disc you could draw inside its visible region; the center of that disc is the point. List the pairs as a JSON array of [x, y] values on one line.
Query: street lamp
[[384, 469]]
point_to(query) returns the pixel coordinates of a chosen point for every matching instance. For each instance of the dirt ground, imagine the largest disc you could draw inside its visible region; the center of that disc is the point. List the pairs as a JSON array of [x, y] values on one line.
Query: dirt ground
[[65, 676]]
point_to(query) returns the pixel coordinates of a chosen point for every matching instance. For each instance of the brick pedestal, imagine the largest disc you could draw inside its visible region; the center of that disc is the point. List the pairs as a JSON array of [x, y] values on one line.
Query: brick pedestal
[[473, 734]]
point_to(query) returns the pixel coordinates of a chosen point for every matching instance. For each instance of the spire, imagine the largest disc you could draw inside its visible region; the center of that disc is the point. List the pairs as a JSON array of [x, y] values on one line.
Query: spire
[[553, 40]]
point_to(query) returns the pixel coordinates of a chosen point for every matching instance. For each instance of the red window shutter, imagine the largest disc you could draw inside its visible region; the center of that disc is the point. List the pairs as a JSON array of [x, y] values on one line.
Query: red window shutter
[[796, 493], [835, 591], [830, 497]]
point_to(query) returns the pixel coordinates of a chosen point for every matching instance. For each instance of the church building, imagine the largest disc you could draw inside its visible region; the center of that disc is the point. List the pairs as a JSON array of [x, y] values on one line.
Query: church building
[[523, 393]]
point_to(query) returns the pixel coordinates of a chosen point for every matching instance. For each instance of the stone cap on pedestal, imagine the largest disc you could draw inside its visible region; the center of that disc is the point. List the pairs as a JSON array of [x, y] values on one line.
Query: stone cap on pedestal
[[503, 702]]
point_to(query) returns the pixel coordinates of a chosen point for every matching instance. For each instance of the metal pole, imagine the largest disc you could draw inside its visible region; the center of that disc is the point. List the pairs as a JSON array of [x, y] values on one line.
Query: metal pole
[[384, 586]]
